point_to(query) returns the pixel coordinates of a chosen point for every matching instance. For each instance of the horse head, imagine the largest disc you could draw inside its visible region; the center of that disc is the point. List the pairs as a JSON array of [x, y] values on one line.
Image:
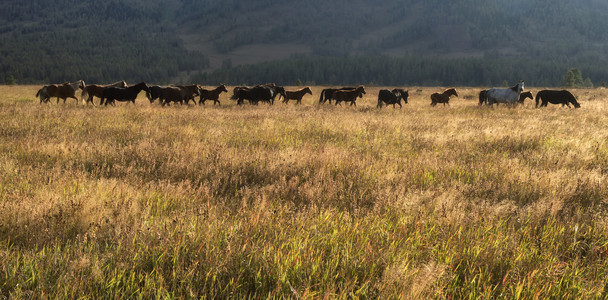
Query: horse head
[[280, 90], [521, 83], [451, 92], [403, 94], [361, 91], [308, 90], [222, 88], [123, 84]]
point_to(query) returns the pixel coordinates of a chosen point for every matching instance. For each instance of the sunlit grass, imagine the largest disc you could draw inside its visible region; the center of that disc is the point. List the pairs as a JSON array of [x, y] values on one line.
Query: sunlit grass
[[303, 201]]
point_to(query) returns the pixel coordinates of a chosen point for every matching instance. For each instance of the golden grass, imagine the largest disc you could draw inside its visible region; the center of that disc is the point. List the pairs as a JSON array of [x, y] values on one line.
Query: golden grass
[[303, 201]]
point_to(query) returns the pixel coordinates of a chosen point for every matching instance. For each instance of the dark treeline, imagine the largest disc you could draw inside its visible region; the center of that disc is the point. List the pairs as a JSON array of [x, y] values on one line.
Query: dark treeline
[[410, 70], [98, 41]]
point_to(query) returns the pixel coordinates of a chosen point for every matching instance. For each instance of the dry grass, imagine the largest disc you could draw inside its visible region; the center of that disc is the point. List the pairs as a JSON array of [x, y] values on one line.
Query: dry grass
[[303, 201]]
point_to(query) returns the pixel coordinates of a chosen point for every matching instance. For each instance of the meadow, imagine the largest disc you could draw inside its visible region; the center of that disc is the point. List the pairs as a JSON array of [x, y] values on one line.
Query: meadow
[[309, 201]]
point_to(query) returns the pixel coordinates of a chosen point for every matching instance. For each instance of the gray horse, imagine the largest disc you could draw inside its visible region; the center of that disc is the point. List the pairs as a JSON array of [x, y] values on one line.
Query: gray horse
[[509, 95]]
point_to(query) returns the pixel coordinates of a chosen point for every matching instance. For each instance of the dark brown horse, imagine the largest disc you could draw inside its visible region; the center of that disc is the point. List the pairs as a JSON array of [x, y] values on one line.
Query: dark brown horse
[[443, 97], [153, 93], [128, 94], [392, 97], [296, 95], [327, 94], [213, 94], [189, 92], [254, 95], [349, 96], [63, 91], [170, 94], [274, 90], [96, 90], [562, 97], [523, 96]]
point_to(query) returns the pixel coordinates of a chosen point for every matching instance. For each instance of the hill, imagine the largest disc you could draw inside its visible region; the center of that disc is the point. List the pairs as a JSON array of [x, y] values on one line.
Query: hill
[[163, 40]]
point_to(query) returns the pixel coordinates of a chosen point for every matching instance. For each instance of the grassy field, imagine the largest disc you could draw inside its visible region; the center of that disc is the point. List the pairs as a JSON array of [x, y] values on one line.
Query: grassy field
[[303, 201]]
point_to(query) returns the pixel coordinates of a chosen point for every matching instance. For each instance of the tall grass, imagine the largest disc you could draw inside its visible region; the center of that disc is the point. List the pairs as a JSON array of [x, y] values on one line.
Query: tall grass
[[303, 201]]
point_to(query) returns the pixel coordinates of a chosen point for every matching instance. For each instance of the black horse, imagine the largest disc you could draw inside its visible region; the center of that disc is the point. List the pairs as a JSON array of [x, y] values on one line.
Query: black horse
[[392, 97], [171, 94], [189, 92], [153, 93], [327, 94], [274, 89], [253, 95], [562, 97], [112, 94], [349, 95]]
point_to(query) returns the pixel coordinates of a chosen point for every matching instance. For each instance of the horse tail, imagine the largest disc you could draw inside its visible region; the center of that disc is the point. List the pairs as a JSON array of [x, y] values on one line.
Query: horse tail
[[482, 97], [38, 93], [538, 96], [234, 93], [322, 94]]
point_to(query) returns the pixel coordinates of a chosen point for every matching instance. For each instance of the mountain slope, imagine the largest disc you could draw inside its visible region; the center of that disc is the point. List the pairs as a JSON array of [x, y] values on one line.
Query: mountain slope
[[162, 40]]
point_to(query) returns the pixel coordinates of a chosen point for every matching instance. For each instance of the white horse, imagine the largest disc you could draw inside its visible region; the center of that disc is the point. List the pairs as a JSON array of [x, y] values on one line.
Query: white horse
[[509, 96]]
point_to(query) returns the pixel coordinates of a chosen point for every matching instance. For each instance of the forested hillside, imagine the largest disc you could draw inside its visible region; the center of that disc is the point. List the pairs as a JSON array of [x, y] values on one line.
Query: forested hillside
[[57, 41], [432, 41]]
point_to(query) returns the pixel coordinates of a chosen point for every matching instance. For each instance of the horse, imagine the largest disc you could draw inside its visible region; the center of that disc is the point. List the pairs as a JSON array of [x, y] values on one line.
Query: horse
[[96, 90], [112, 94], [349, 96], [562, 97], [443, 97], [508, 95], [296, 95], [483, 98], [253, 95], [189, 92], [44, 94], [523, 96], [170, 94], [392, 97], [63, 91], [213, 94], [153, 93], [327, 94], [275, 90]]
